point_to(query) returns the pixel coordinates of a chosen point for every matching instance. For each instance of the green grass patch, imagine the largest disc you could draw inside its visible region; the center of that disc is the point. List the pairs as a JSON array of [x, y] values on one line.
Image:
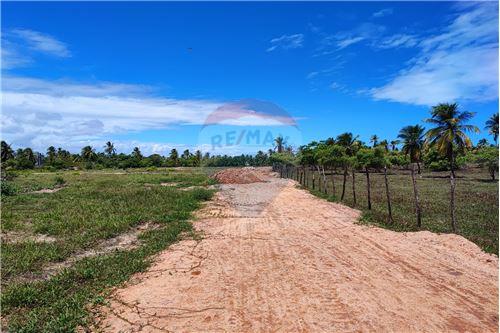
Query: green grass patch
[[90, 208], [476, 202]]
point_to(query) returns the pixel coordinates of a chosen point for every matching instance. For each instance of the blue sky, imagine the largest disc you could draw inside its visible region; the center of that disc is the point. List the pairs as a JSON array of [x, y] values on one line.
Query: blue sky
[[149, 74]]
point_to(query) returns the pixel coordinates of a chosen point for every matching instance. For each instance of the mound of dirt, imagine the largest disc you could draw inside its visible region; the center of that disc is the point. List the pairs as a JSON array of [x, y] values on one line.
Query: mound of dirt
[[239, 176]]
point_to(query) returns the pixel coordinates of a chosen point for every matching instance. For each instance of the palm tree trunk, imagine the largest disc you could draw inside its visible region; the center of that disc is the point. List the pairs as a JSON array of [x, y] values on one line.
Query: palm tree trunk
[[354, 186], [343, 183], [452, 202], [417, 202], [389, 208], [313, 181], [368, 188]]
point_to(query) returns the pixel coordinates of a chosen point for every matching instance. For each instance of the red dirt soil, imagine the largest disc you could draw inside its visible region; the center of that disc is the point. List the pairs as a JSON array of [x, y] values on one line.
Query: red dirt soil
[[274, 258], [239, 176]]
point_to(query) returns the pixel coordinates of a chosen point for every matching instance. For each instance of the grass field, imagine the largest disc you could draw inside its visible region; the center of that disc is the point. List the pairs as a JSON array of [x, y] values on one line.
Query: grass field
[[476, 202], [89, 210]]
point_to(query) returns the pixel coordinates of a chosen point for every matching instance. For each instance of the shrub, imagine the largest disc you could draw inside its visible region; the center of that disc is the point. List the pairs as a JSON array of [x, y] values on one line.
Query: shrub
[[8, 188], [59, 181]]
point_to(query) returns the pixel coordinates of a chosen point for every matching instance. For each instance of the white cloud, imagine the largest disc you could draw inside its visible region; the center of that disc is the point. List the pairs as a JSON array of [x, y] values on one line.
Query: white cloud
[[39, 113], [41, 42], [398, 40], [342, 44], [19, 46], [460, 63], [383, 12], [341, 40], [286, 42]]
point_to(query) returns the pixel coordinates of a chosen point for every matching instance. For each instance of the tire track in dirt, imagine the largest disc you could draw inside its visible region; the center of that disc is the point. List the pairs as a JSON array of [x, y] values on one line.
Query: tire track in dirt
[[274, 258]]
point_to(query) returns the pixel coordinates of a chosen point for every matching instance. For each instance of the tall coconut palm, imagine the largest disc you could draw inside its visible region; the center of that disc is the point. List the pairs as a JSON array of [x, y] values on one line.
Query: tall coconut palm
[[374, 140], [136, 153], [385, 144], [394, 144], [482, 143], [413, 138], [7, 151], [88, 153], [492, 126], [51, 153], [279, 144], [351, 145], [174, 157], [448, 134], [109, 148], [450, 130]]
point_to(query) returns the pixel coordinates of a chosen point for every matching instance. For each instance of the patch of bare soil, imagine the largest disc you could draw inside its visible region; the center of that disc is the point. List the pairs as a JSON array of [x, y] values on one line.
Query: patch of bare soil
[[13, 237], [239, 176], [48, 190], [125, 241], [275, 258]]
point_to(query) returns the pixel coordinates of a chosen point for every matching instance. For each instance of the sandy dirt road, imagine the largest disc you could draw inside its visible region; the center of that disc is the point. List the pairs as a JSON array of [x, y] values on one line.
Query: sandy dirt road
[[274, 258]]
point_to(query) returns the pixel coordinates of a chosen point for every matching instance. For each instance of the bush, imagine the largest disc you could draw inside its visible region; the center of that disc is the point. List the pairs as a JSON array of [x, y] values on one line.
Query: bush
[[436, 162], [8, 188], [59, 181]]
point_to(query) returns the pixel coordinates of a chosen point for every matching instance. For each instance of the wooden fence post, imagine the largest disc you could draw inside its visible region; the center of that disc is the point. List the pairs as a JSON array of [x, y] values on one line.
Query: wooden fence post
[[415, 193], [389, 208]]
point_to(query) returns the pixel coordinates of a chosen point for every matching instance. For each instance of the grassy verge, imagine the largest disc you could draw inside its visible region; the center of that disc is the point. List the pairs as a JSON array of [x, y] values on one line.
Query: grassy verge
[[91, 208], [476, 203]]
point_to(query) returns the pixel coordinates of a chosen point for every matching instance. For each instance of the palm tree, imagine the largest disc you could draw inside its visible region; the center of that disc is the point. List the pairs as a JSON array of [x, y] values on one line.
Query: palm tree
[[374, 140], [413, 142], [385, 144], [492, 126], [448, 134], [450, 131], [280, 143], [109, 148], [351, 145], [482, 143], [174, 156], [7, 152], [51, 153], [136, 153], [88, 153], [394, 143]]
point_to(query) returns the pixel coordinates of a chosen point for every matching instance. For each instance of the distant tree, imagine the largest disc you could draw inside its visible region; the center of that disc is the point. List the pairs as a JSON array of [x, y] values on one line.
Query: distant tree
[[374, 140], [450, 128], [174, 157], [413, 138], [488, 157], [368, 159], [51, 155], [136, 154], [88, 154], [394, 144], [385, 144], [109, 148], [279, 144], [492, 126], [186, 154], [330, 141], [482, 143], [156, 160], [7, 152]]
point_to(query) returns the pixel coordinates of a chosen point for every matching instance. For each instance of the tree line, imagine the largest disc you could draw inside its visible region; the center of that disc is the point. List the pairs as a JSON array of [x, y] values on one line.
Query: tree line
[[88, 158], [444, 146]]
